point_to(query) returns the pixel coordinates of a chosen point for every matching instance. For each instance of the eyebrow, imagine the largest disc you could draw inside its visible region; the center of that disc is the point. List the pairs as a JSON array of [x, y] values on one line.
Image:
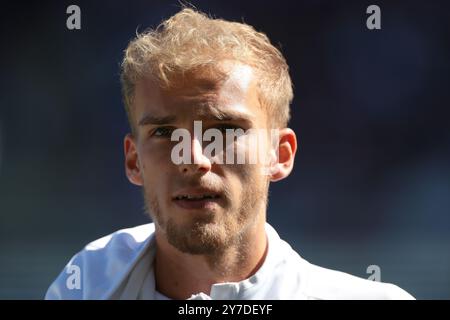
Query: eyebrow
[[155, 120], [209, 115], [219, 115]]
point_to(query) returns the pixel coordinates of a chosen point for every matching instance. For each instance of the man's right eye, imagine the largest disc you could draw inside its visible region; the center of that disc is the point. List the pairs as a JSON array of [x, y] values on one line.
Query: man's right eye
[[162, 132]]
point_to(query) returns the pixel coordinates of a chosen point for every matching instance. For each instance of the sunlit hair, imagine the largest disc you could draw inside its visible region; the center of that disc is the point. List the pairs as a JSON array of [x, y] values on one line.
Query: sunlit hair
[[190, 41]]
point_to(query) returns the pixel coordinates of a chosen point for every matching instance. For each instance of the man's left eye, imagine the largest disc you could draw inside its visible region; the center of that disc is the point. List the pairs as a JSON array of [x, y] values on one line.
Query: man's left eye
[[223, 127]]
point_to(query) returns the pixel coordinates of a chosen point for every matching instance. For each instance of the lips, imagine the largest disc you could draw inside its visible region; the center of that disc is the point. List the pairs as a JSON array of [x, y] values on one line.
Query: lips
[[197, 199]]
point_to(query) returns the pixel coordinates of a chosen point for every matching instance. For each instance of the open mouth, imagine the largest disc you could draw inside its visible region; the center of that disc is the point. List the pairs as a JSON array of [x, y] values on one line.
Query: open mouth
[[197, 197], [197, 200]]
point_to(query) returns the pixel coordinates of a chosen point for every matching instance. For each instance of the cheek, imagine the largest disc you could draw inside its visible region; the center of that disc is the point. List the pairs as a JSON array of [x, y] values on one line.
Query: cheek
[[155, 167], [155, 154], [242, 177], [253, 148], [156, 186]]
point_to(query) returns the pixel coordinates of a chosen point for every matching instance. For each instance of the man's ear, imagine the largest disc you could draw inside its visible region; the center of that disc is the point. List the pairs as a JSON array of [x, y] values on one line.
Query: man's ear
[[132, 166], [282, 165]]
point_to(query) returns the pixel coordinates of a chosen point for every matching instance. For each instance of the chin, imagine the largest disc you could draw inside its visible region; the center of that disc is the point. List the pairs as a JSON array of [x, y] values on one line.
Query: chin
[[199, 236]]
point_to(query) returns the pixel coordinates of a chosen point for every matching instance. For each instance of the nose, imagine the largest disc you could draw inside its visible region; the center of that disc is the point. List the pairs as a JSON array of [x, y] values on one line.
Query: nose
[[199, 164]]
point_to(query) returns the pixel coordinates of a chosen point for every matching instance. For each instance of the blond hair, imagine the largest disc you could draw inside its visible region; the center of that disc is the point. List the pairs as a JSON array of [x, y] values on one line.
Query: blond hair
[[190, 40]]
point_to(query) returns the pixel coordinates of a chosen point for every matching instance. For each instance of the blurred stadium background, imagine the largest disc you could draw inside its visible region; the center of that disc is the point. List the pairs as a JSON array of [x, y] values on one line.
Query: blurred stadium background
[[371, 184]]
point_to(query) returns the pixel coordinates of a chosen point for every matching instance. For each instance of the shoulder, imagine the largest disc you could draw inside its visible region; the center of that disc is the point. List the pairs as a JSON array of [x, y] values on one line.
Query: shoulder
[[309, 281], [97, 270], [327, 284]]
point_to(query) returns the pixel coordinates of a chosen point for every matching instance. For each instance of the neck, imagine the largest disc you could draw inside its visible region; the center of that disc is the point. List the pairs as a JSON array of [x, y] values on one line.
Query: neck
[[178, 275]]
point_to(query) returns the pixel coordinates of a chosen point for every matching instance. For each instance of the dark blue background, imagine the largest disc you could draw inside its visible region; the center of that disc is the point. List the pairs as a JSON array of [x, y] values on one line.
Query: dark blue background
[[371, 183]]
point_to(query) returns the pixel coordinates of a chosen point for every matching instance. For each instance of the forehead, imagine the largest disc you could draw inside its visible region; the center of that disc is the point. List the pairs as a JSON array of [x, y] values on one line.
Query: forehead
[[198, 94]]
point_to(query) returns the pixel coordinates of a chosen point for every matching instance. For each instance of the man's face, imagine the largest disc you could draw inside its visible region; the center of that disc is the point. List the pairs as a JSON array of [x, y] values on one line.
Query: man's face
[[203, 207]]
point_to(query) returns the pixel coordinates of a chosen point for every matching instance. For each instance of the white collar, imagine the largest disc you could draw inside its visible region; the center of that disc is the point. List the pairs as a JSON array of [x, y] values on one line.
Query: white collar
[[141, 281]]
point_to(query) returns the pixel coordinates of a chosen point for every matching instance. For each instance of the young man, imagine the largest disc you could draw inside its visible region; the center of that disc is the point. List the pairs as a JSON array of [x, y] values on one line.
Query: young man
[[185, 83]]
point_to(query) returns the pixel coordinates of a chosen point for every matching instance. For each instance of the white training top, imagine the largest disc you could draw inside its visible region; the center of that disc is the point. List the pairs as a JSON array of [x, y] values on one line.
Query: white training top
[[120, 266]]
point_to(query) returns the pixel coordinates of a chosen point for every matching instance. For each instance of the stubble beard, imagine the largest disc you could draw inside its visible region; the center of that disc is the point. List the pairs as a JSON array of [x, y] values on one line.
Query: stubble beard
[[211, 234]]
